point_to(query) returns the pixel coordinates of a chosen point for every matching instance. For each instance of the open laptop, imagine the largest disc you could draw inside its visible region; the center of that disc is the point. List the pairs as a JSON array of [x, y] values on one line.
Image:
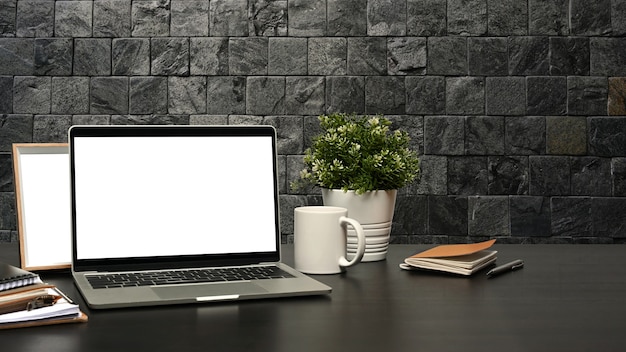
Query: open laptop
[[151, 201]]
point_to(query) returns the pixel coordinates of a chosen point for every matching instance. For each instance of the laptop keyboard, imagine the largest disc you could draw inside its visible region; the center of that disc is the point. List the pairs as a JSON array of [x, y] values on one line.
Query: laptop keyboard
[[187, 276]]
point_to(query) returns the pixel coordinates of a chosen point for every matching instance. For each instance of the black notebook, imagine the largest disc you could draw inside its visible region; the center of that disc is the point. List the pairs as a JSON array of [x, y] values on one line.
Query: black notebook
[[12, 277]]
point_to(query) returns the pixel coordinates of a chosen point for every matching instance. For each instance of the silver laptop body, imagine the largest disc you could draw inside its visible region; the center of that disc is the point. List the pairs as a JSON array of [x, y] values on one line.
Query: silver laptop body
[[169, 198]]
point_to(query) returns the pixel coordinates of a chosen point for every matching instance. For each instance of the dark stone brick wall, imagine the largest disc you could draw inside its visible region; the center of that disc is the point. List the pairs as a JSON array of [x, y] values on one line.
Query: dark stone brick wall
[[518, 108]]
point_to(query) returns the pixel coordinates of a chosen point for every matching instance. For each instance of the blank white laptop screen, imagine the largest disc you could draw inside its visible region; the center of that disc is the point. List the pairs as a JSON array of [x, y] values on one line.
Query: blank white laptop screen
[[171, 196]]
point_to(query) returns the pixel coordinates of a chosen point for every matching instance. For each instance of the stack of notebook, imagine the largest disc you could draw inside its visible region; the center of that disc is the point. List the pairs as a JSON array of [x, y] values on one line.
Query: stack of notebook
[[26, 301], [462, 259]]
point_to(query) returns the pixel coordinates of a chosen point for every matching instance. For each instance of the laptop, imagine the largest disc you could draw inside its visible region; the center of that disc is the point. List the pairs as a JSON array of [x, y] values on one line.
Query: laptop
[[165, 214]]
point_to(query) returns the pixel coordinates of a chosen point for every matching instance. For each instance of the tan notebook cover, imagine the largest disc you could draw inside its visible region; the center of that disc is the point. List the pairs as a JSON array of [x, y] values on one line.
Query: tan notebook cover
[[454, 250]]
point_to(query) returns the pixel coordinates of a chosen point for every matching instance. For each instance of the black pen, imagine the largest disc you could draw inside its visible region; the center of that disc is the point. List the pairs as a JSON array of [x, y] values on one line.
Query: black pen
[[514, 265]]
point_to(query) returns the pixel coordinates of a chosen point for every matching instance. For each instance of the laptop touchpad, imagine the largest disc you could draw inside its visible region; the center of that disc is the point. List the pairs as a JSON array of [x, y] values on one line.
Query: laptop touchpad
[[208, 290]]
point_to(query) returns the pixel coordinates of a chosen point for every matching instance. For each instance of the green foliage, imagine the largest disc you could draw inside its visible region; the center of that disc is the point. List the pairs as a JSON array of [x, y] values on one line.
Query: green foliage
[[360, 154]]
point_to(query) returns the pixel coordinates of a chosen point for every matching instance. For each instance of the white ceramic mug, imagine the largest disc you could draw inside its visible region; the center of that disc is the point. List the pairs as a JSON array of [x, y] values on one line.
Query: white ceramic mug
[[320, 239]]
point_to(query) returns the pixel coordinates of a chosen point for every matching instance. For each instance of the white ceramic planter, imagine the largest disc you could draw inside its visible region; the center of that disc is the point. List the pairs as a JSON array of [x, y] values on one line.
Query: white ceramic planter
[[374, 211]]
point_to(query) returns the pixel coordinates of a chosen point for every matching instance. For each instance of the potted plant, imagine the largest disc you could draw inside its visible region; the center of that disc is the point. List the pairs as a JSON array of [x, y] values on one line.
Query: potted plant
[[360, 163]]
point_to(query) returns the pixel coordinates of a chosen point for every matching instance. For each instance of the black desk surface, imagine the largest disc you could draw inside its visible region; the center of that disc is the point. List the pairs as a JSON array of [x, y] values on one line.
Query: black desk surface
[[567, 298]]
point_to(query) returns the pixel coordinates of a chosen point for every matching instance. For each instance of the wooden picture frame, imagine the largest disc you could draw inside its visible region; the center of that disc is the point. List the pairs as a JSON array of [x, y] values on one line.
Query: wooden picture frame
[[42, 191]]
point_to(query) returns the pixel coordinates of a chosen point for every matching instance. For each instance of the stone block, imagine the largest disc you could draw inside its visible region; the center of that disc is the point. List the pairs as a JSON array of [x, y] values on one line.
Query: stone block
[[346, 17], [16, 56], [208, 120], [447, 56], [607, 136], [288, 203], [226, 95], [73, 18], [228, 18], [367, 56], [467, 175], [150, 18], [169, 56], [507, 17], [410, 216], [548, 17], [426, 17], [425, 95], [111, 18], [569, 56], [488, 56], [245, 120], [529, 56], [6, 173], [465, 95], [609, 217], [590, 17], [312, 129], [571, 216], [51, 128], [618, 176], [345, 94], [505, 95], [327, 56], [566, 135], [530, 216], [109, 95], [189, 18], [385, 95], [546, 95], [92, 57], [549, 175], [489, 216], [208, 56], [307, 18], [91, 120], [590, 176], [53, 57], [467, 17], [148, 95], [587, 95], [484, 135], [15, 129], [525, 135], [265, 95], [70, 95], [155, 119], [406, 56], [433, 175], [186, 95], [248, 56], [6, 94], [31, 95], [608, 56], [268, 18], [8, 10], [617, 96], [289, 134], [447, 215], [287, 56], [304, 95], [386, 17], [508, 175], [413, 126], [131, 57], [34, 18], [7, 211], [444, 135], [618, 17]]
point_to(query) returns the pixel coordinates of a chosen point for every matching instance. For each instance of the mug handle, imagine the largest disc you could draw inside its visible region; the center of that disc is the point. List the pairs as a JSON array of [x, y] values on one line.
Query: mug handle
[[360, 250]]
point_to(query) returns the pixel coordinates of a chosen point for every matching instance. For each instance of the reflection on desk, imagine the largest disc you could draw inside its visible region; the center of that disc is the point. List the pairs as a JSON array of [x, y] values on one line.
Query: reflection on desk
[[567, 298]]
